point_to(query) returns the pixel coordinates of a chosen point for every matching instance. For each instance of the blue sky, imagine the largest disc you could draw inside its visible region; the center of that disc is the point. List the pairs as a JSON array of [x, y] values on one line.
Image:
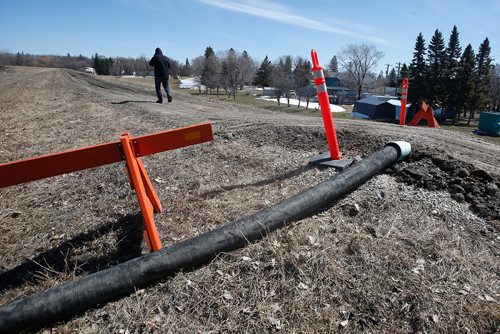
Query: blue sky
[[184, 28]]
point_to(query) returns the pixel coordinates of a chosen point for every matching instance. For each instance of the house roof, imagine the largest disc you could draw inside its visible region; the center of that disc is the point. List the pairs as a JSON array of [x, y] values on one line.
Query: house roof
[[397, 103], [371, 100]]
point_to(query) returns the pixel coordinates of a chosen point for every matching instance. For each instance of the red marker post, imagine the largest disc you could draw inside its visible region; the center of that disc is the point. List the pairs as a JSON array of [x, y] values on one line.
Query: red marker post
[[404, 95], [324, 102]]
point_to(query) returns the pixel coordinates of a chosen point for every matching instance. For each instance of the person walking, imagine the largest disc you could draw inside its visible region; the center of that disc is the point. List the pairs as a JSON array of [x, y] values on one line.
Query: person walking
[[162, 71]]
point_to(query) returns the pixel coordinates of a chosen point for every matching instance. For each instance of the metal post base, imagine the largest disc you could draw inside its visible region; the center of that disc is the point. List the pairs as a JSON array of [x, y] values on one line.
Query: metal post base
[[325, 160]]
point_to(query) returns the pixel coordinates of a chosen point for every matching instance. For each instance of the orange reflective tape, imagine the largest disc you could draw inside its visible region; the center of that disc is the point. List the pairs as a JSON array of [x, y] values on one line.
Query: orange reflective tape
[[192, 136]]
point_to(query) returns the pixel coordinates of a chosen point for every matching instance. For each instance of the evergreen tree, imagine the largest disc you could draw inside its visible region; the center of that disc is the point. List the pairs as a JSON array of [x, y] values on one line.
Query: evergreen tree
[[466, 78], [97, 64], [483, 60], [186, 69], [333, 66], [102, 65], [436, 57], [263, 75], [453, 52], [391, 78], [418, 90], [405, 72], [301, 72], [19, 59], [209, 52], [109, 66]]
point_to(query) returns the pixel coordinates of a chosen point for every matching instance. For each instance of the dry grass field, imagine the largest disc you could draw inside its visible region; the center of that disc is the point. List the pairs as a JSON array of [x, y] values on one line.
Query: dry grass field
[[413, 250]]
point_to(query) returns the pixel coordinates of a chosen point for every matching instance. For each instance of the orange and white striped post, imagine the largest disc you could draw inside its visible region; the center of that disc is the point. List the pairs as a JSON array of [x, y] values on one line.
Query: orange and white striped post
[[324, 103], [404, 96], [334, 158]]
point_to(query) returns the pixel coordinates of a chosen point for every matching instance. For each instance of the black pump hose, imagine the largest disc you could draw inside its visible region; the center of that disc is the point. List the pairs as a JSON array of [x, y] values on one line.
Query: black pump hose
[[69, 299]]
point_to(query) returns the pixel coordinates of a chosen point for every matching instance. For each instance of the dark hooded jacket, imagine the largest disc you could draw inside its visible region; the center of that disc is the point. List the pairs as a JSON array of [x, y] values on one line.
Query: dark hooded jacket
[[161, 64]]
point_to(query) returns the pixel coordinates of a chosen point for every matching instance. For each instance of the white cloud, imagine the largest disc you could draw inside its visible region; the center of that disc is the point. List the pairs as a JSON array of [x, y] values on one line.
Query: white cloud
[[276, 12]]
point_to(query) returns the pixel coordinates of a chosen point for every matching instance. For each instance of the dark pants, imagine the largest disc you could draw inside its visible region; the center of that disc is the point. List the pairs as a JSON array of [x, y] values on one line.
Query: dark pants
[[161, 81]]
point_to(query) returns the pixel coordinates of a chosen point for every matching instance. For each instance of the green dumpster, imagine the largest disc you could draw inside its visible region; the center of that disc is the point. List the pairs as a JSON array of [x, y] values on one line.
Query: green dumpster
[[489, 123]]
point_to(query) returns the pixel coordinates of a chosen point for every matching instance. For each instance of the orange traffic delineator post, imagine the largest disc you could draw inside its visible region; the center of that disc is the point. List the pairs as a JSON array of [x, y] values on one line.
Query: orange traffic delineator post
[[127, 148], [332, 158], [404, 96], [425, 113]]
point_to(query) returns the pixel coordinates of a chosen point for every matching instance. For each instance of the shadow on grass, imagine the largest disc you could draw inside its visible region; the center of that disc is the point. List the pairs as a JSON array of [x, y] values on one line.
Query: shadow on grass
[[279, 177], [59, 260], [134, 101]]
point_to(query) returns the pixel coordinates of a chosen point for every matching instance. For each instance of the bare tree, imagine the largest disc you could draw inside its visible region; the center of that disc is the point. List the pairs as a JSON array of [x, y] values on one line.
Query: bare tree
[[301, 77], [237, 70], [197, 66], [282, 78], [306, 92], [357, 61], [230, 72]]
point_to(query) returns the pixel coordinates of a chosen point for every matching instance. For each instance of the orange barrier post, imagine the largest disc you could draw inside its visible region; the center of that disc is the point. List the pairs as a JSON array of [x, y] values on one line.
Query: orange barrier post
[[404, 95], [137, 179], [324, 102], [426, 114], [128, 149], [334, 158]]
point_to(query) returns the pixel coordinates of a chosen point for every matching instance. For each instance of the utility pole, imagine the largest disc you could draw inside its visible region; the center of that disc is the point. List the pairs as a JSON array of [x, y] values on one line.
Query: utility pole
[[399, 66], [386, 74], [397, 77]]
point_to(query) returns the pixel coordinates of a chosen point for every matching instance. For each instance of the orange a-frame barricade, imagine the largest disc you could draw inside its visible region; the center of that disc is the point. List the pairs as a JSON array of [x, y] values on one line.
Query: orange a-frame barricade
[[128, 149], [425, 113]]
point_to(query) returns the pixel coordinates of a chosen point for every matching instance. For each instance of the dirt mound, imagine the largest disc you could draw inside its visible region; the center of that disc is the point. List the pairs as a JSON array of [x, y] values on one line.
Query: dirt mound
[[415, 249], [464, 181]]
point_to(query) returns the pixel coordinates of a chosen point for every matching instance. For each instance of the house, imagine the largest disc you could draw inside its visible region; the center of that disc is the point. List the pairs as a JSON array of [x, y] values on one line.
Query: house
[[338, 93], [377, 107]]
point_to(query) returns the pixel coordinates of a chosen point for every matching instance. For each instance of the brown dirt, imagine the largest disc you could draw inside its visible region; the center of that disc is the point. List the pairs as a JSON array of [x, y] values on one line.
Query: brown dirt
[[413, 250]]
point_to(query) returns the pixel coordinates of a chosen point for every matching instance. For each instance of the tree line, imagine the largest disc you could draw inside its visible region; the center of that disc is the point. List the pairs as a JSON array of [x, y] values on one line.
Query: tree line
[[230, 70], [456, 80], [102, 65], [461, 81]]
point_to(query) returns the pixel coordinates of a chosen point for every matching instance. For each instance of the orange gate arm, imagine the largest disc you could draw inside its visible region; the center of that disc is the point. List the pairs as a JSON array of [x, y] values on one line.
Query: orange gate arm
[[32, 169], [127, 148]]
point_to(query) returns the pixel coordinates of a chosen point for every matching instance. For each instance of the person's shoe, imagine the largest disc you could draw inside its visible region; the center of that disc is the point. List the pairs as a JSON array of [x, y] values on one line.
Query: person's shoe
[[159, 101], [169, 98]]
